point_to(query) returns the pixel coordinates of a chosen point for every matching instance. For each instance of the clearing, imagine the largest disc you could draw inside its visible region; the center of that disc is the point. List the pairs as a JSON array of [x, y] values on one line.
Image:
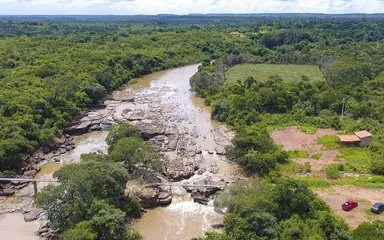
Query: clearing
[[261, 72], [321, 148], [292, 139], [337, 195]]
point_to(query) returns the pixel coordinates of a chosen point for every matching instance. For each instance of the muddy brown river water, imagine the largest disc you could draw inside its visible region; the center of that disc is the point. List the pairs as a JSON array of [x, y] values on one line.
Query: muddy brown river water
[[170, 92]]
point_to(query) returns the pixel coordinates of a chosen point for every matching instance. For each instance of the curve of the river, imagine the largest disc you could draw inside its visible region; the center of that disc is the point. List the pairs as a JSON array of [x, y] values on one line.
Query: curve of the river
[[162, 98]]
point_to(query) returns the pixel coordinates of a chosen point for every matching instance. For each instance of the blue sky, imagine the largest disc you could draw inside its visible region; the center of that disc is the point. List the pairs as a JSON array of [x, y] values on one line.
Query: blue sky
[[129, 7]]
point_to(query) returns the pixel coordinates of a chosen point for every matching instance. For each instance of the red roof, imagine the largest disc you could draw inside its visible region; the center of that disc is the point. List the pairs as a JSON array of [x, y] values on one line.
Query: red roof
[[363, 134], [349, 138]]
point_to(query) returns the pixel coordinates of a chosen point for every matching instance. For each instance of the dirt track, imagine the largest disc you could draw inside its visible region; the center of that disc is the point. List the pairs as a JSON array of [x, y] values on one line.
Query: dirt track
[[292, 139], [337, 195]]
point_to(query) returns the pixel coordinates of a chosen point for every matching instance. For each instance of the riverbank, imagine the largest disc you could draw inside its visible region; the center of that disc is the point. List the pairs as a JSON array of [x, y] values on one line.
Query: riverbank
[[179, 125]]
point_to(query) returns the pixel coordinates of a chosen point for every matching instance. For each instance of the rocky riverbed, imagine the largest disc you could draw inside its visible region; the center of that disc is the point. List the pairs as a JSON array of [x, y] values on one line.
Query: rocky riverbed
[[179, 125], [169, 119]]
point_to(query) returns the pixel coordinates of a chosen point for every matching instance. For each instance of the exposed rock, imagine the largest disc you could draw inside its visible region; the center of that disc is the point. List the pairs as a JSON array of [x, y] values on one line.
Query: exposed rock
[[30, 173], [178, 191], [32, 216], [149, 197], [83, 126], [39, 154], [199, 198], [95, 127], [15, 182], [217, 225], [150, 129], [213, 168], [42, 230], [164, 198], [217, 183], [59, 140], [36, 167], [21, 185], [178, 169], [7, 192], [220, 150]]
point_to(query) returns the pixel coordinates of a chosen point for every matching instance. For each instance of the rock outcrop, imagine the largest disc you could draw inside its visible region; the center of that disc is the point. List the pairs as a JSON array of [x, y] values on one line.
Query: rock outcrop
[[153, 196]]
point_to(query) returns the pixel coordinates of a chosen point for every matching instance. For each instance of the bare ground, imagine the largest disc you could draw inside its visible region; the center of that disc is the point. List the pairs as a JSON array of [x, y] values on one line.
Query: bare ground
[[337, 195], [292, 139]]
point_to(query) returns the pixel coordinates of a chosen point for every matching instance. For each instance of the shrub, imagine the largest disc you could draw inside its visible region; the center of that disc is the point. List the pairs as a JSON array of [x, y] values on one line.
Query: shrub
[[120, 131], [377, 165], [332, 171], [369, 231]]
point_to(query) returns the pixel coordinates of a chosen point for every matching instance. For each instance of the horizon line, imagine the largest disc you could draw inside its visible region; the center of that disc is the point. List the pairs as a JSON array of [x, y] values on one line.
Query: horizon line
[[189, 14]]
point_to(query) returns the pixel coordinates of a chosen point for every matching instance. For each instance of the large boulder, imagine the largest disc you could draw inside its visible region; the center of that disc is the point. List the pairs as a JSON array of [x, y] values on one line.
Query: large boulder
[[7, 192], [217, 184], [151, 129], [30, 173], [180, 168], [32, 216], [149, 197], [200, 197], [164, 198]]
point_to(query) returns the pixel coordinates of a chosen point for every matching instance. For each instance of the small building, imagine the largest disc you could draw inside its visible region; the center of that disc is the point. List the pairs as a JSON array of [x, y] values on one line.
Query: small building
[[365, 137], [362, 139]]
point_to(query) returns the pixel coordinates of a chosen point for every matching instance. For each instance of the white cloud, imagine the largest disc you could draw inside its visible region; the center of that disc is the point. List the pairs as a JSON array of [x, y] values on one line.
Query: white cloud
[[128, 7]]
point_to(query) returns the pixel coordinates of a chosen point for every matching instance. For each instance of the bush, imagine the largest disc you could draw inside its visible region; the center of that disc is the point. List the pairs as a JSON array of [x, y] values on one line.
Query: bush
[[377, 165], [256, 162], [95, 91], [369, 231], [120, 131], [82, 231], [332, 171]]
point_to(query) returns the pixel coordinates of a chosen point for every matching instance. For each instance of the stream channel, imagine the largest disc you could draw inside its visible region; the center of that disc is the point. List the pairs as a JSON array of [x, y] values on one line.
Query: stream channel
[[178, 124]]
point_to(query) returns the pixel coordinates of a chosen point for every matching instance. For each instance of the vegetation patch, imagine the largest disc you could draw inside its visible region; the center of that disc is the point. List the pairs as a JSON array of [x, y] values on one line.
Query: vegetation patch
[[316, 156], [100, 208], [308, 129], [332, 171], [314, 182], [298, 154], [359, 158], [370, 213], [261, 72], [329, 142], [258, 209], [363, 181], [291, 168]]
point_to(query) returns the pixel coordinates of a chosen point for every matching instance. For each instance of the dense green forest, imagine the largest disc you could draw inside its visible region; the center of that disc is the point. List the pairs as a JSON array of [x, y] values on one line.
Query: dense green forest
[[351, 60], [52, 68], [349, 98], [90, 202], [48, 79]]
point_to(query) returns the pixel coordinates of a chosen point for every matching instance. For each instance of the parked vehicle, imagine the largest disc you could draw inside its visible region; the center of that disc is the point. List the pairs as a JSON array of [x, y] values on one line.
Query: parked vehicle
[[378, 208], [349, 205]]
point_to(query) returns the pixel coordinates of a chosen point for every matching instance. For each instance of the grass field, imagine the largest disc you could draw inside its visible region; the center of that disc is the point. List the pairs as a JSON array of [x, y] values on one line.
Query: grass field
[[297, 154], [373, 182], [261, 72]]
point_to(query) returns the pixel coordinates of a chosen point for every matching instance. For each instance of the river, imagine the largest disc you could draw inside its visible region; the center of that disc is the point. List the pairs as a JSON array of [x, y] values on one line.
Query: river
[[162, 101]]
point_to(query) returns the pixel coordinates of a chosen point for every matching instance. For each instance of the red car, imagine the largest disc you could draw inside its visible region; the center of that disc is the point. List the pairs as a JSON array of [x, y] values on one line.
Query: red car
[[349, 205]]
